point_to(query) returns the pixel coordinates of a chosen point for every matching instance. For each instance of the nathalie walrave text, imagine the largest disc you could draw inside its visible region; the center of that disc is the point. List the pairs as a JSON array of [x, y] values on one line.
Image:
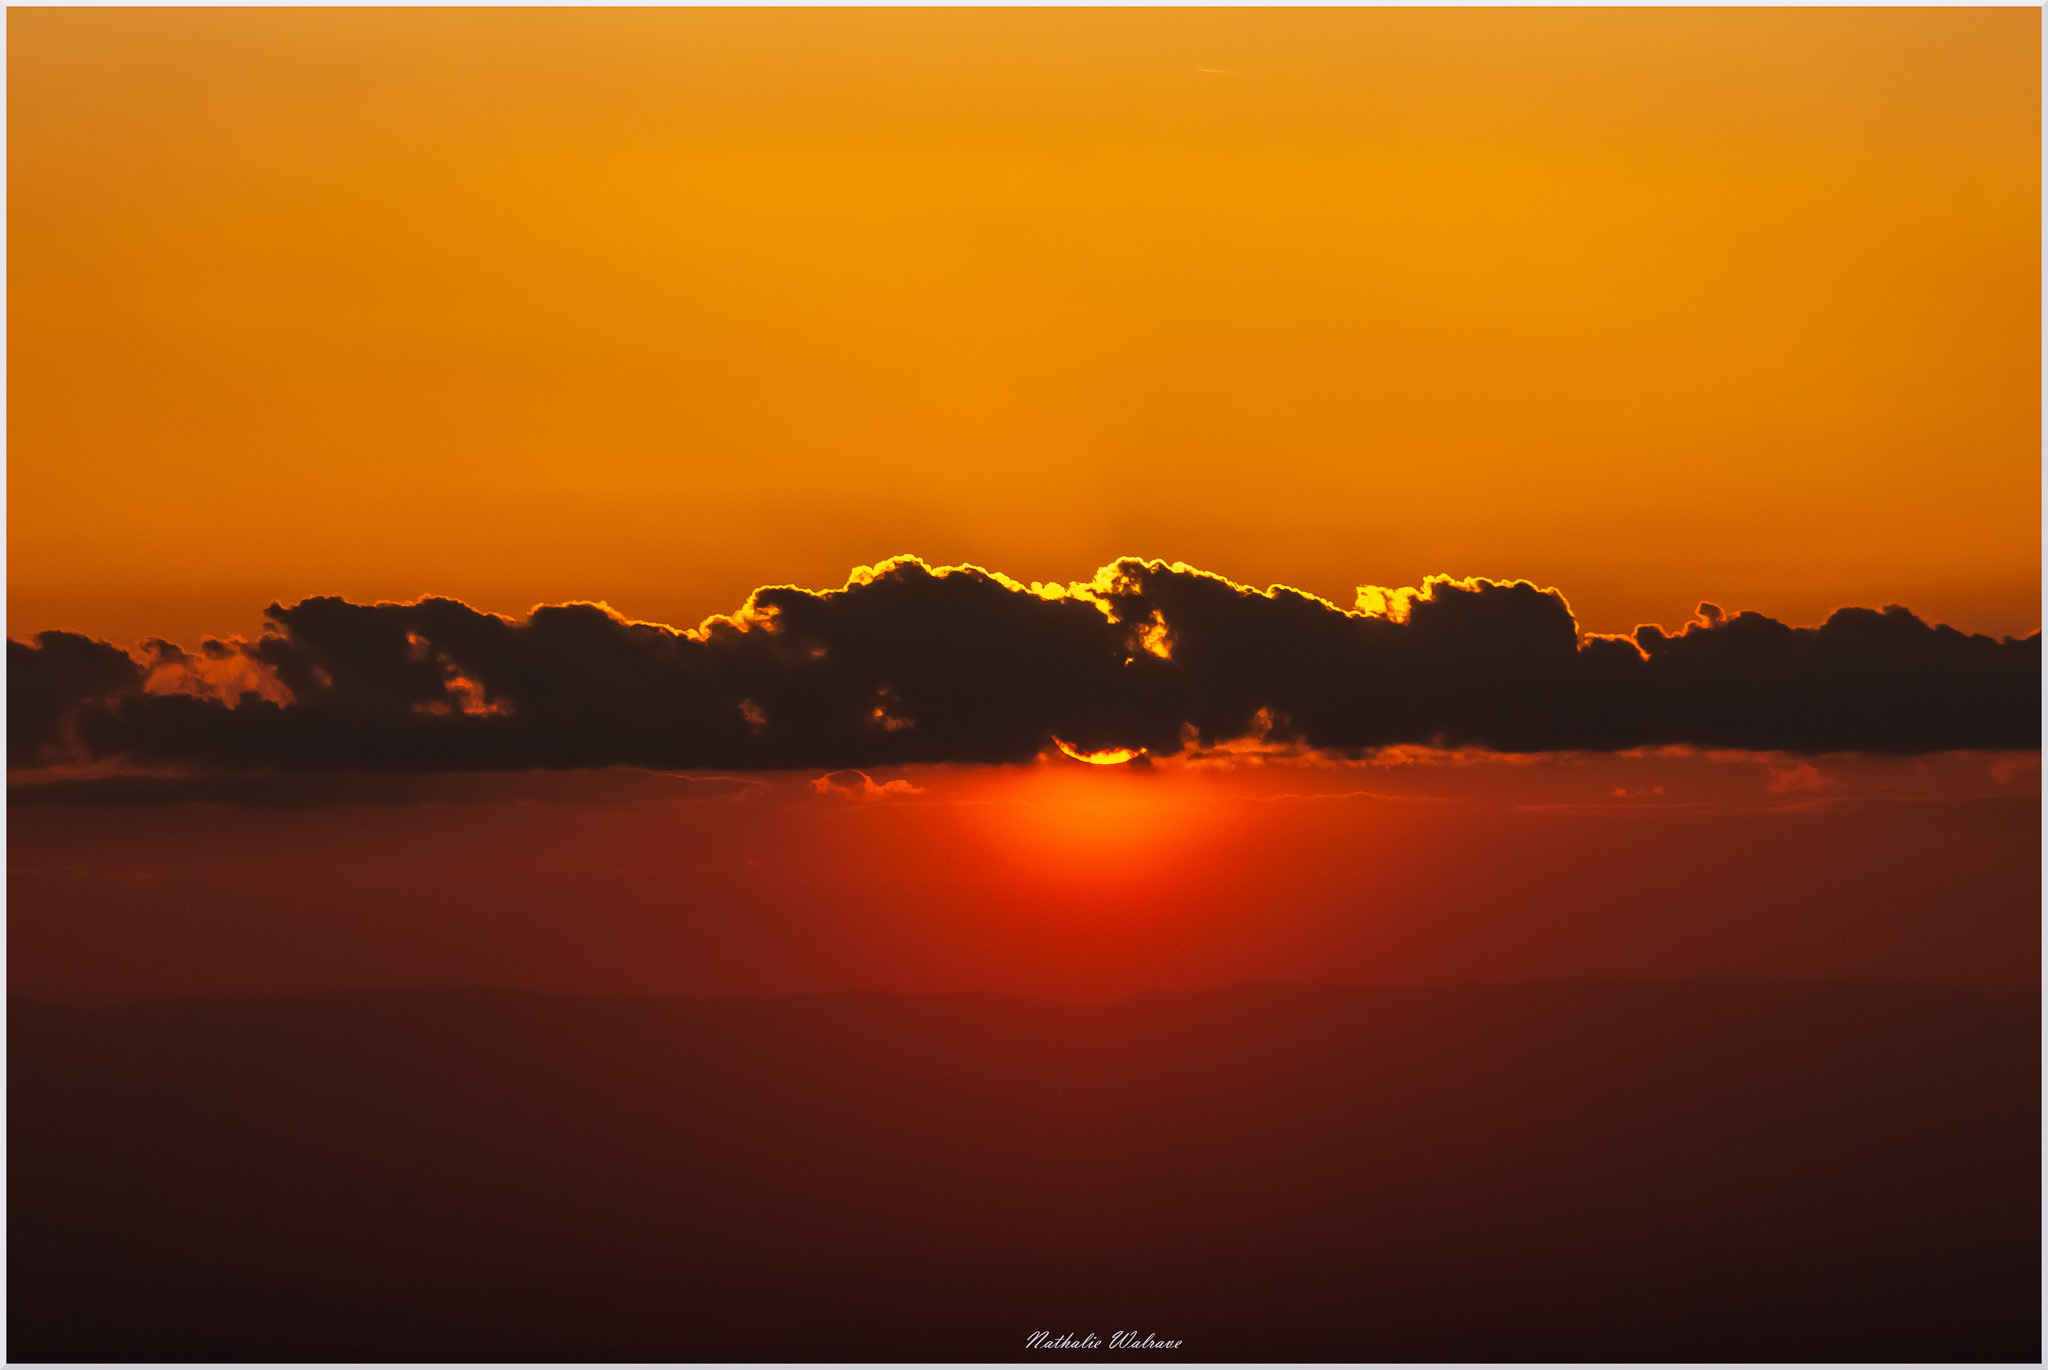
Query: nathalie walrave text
[[1088, 1341]]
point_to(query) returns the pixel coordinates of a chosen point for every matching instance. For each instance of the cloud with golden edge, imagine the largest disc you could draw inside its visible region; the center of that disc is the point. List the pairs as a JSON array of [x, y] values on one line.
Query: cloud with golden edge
[[908, 664]]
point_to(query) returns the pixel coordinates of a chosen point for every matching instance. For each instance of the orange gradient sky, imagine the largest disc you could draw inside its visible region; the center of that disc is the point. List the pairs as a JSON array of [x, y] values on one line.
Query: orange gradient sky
[[656, 306]]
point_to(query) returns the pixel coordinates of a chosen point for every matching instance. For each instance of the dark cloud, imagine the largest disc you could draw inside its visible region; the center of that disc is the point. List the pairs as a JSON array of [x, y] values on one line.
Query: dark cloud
[[907, 664], [387, 789], [48, 682]]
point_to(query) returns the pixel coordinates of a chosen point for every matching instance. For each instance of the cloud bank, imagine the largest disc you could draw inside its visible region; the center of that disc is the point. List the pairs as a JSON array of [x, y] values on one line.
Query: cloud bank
[[913, 664]]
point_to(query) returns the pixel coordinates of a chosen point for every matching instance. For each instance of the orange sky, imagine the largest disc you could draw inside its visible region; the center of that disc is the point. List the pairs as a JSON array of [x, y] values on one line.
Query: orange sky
[[656, 306]]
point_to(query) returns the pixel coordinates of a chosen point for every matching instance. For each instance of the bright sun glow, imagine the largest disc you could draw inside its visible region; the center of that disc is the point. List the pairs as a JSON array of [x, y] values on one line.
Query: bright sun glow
[[1108, 756], [1091, 839]]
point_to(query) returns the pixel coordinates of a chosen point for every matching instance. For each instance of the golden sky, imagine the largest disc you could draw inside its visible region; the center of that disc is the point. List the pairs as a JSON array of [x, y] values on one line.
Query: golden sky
[[656, 306]]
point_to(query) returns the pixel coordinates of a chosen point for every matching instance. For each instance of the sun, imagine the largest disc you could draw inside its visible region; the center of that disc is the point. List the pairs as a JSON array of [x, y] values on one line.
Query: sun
[[1110, 837], [1108, 756]]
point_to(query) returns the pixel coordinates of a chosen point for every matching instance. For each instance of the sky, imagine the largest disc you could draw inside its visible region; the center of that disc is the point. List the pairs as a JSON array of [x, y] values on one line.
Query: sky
[[1497, 335], [657, 307]]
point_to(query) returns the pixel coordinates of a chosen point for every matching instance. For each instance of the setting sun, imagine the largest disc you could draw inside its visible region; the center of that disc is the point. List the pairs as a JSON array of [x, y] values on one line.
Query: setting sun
[[1107, 756]]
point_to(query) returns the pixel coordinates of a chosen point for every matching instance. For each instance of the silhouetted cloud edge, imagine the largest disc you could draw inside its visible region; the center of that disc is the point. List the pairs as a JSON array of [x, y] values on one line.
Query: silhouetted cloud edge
[[907, 663]]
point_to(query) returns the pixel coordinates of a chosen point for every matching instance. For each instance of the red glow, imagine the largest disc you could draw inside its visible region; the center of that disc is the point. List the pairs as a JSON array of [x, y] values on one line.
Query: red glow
[[1061, 880]]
